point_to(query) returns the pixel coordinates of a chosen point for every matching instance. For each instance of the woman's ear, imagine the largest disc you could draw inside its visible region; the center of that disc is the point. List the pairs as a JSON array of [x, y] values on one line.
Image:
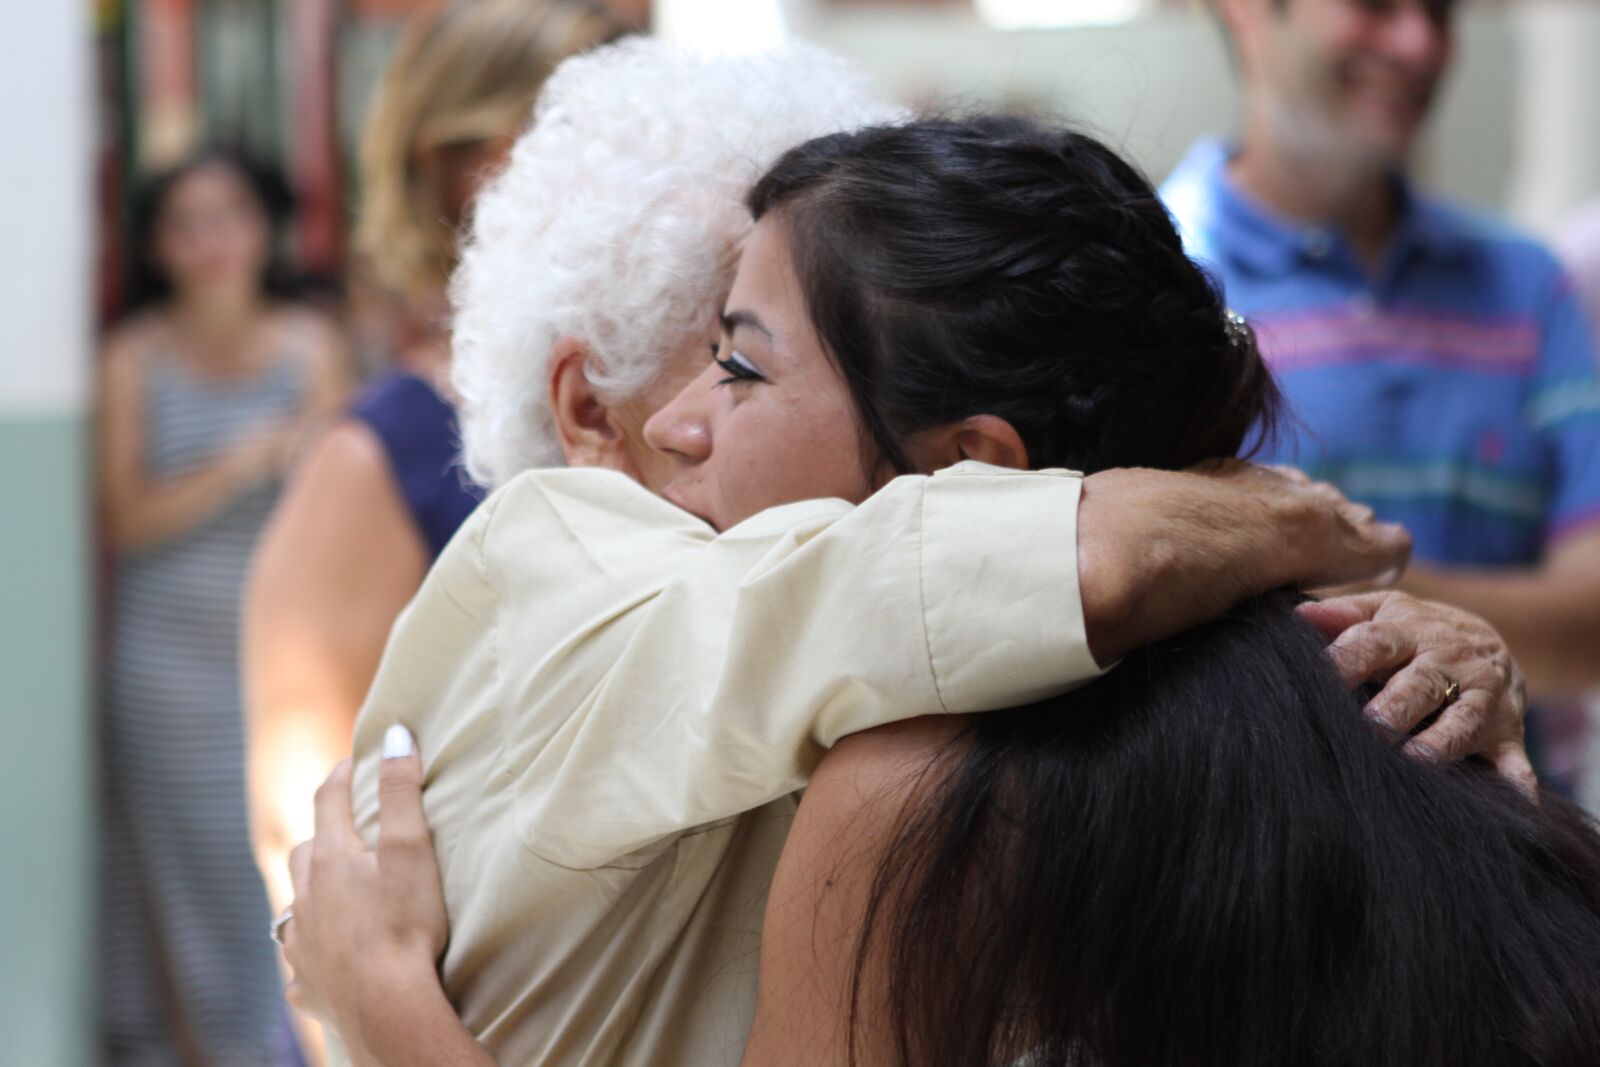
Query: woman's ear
[[990, 439], [584, 424]]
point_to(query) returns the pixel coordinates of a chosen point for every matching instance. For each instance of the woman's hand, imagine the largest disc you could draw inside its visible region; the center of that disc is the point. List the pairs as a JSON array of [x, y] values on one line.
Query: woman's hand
[[1422, 647], [369, 925]]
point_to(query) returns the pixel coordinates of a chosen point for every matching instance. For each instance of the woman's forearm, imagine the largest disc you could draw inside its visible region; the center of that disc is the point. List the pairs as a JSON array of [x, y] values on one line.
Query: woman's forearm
[[414, 1026], [141, 517], [1161, 551]]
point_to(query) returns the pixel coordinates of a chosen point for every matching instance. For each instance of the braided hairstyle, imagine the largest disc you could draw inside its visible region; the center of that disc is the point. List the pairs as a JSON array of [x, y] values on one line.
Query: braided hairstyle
[[996, 265], [1208, 856]]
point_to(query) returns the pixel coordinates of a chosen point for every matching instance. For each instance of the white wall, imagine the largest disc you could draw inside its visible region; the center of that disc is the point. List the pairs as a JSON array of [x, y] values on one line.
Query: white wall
[[44, 178], [46, 841], [1557, 144]]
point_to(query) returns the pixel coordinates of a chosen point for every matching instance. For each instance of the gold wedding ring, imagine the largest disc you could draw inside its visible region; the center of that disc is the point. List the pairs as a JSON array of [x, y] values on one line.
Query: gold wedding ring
[[1452, 692]]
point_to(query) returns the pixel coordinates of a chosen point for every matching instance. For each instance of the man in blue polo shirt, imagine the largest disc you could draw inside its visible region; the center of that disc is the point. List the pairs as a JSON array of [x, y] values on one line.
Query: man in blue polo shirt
[[1438, 366]]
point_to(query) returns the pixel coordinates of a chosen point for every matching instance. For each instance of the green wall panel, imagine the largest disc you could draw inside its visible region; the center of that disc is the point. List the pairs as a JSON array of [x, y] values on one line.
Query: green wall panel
[[46, 785]]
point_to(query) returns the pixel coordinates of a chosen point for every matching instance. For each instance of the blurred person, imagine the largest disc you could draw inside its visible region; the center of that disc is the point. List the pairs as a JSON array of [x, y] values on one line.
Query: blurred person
[[854, 349], [1439, 366], [619, 922], [381, 493], [1579, 248], [205, 391]]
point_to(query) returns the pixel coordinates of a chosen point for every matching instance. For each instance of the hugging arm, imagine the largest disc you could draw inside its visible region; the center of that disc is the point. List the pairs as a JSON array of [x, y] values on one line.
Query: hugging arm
[[1188, 546], [1161, 551], [945, 594], [1233, 542]]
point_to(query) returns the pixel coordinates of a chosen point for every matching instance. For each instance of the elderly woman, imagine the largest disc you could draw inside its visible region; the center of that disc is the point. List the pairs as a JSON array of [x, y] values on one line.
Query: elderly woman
[[381, 492], [618, 702]]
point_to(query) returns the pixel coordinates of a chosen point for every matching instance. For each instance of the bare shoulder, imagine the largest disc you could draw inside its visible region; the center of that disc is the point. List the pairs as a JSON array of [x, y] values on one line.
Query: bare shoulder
[[884, 762], [342, 525], [342, 500], [127, 346], [850, 817], [346, 467], [865, 783]]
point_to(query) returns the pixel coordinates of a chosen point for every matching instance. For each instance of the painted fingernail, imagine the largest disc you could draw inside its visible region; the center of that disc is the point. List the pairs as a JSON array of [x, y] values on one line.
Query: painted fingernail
[[397, 742]]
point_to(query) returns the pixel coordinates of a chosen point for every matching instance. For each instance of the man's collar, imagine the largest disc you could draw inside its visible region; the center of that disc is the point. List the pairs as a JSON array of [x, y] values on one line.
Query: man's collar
[[1428, 226], [1269, 243]]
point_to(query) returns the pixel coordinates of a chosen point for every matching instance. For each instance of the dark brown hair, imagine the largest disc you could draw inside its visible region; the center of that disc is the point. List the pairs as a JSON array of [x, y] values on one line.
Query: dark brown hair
[[1209, 856], [996, 265]]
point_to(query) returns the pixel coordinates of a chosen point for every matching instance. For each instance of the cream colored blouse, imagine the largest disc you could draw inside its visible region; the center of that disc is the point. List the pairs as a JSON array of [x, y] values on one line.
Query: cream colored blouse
[[615, 707]]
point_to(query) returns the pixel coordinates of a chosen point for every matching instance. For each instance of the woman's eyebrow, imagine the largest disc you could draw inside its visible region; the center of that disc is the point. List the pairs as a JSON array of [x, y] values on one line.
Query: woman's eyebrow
[[732, 320]]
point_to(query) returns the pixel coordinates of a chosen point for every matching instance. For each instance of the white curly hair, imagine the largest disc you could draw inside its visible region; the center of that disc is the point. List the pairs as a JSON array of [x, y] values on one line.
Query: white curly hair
[[617, 222]]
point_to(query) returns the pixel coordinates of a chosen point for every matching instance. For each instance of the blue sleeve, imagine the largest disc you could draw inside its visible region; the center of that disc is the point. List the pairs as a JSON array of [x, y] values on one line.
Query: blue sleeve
[[422, 442], [1564, 408]]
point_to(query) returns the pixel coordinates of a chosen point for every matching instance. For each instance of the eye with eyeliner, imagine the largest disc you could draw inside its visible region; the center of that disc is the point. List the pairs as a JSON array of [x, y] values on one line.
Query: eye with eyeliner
[[737, 367]]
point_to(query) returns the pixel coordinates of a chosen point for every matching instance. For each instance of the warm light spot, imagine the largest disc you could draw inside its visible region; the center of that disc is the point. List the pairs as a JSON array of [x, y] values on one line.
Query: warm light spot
[[1033, 14], [721, 27]]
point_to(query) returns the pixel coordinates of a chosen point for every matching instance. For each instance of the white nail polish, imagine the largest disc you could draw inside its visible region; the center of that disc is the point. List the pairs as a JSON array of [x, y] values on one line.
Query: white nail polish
[[397, 742]]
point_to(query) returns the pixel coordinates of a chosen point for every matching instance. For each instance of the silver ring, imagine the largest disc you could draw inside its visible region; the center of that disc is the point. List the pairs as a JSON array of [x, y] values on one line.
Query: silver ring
[[280, 922]]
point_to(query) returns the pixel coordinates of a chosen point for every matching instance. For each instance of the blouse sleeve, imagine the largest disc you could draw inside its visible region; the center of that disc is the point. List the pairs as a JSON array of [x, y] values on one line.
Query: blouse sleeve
[[652, 677]]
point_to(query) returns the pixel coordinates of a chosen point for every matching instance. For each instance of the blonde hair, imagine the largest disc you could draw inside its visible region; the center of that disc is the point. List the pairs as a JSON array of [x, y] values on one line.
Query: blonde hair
[[469, 72]]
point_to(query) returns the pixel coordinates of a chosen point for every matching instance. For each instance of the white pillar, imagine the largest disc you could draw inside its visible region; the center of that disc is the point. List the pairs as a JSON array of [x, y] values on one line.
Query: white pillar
[[1557, 152], [46, 823], [732, 27]]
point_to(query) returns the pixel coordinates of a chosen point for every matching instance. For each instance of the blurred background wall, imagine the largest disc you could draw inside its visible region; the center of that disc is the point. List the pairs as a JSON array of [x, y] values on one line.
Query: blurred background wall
[[45, 824], [1512, 135], [290, 81]]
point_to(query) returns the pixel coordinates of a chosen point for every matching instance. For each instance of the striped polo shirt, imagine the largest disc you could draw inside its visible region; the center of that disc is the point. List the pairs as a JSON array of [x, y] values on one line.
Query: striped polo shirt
[[1454, 388]]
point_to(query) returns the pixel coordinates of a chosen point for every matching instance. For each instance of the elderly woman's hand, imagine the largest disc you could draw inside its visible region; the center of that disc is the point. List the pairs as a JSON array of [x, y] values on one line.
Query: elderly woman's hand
[[368, 926], [1422, 648]]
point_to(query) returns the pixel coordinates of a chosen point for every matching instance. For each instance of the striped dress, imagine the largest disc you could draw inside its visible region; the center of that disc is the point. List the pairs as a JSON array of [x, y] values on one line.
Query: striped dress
[[186, 961]]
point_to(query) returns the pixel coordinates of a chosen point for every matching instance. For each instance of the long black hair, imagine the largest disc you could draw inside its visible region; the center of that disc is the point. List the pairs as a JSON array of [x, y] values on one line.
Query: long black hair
[[148, 283], [1208, 856]]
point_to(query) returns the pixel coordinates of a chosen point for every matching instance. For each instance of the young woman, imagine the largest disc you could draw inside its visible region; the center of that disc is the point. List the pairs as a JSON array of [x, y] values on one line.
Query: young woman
[[206, 390], [1069, 292], [381, 492], [1206, 857]]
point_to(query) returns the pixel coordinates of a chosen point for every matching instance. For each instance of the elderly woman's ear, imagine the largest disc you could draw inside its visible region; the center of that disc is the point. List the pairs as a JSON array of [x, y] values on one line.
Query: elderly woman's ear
[[586, 427]]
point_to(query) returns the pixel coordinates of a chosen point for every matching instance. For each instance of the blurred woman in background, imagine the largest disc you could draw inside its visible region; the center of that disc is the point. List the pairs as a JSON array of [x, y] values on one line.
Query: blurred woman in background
[[205, 390], [382, 492]]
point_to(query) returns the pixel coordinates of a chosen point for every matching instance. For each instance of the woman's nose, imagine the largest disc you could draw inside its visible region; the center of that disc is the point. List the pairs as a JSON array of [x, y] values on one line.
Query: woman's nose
[[683, 427]]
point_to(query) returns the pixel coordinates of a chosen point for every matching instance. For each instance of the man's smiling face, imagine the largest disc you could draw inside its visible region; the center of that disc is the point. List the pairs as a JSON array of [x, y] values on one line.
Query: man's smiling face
[[1356, 77]]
